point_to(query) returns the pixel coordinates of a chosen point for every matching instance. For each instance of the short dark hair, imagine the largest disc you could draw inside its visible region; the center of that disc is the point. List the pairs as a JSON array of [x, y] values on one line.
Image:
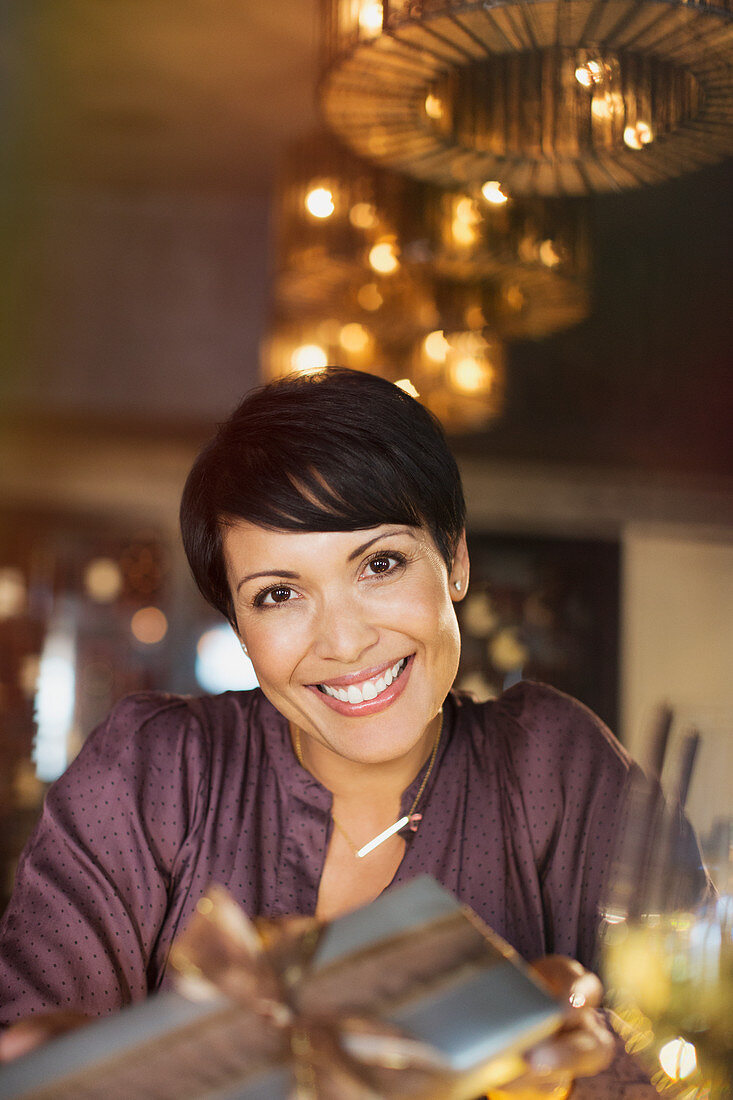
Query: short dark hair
[[338, 450]]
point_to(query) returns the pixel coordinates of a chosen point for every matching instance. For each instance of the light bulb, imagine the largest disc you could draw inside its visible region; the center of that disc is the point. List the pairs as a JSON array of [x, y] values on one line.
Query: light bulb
[[636, 137], [383, 257], [493, 193], [590, 73], [436, 346], [308, 358], [369, 298], [470, 374], [370, 17], [433, 107], [549, 256], [354, 337], [463, 233], [363, 215], [319, 202]]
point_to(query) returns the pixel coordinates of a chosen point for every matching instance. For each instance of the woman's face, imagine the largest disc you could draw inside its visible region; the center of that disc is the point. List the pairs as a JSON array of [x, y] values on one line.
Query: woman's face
[[352, 634]]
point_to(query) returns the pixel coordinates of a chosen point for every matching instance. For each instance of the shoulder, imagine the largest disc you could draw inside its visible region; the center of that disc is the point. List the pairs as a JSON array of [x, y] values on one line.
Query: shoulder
[[535, 728], [155, 729]]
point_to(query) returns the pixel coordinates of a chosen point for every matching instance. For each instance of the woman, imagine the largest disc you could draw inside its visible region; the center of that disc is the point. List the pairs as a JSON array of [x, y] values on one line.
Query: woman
[[326, 522]]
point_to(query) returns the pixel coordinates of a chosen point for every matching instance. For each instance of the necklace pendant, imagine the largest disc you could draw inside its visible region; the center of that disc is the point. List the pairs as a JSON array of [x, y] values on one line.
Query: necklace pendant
[[413, 821]]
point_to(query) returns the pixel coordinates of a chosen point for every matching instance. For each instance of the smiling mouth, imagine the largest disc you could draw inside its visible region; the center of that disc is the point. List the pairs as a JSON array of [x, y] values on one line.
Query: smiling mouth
[[367, 689]]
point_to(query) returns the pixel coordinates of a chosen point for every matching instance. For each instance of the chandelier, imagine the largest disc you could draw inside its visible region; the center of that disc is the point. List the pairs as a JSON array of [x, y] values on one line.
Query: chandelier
[[404, 257], [381, 272], [545, 97], [460, 376]]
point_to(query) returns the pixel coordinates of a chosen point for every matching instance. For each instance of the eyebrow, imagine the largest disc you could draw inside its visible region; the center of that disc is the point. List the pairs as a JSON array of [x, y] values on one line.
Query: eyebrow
[[289, 575]]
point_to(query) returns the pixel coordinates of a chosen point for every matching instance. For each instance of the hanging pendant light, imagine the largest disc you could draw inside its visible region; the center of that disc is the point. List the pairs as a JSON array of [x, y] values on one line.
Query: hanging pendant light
[[544, 97], [381, 245]]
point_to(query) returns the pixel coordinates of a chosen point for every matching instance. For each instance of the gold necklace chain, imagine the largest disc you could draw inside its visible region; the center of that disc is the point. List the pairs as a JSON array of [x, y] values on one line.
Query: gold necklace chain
[[410, 819]]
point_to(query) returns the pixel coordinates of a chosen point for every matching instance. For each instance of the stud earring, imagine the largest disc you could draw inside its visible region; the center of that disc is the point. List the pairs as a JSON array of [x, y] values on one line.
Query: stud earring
[[457, 585], [244, 649]]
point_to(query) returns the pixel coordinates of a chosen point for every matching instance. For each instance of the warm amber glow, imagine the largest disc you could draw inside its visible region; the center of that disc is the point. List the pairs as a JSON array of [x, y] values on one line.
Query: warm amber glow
[[433, 107], [528, 250], [363, 215], [435, 346], [678, 1059], [149, 625], [514, 297], [370, 17], [354, 337], [471, 375], [463, 233], [308, 358], [549, 256], [493, 193], [475, 317], [466, 211], [406, 385], [605, 106], [383, 257], [636, 137], [369, 298], [590, 73], [319, 202], [466, 217]]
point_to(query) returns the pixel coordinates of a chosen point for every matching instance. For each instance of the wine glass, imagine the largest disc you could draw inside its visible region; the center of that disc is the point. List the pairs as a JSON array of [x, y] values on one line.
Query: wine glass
[[666, 939]]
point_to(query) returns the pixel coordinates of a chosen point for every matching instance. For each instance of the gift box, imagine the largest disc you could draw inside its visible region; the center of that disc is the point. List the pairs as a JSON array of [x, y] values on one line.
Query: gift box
[[411, 998]]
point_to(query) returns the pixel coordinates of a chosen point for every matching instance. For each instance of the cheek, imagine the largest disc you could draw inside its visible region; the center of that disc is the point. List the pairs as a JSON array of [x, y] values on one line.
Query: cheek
[[275, 645], [426, 611]]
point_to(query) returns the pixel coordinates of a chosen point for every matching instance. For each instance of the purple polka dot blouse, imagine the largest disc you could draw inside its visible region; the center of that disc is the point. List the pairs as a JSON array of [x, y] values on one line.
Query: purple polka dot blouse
[[172, 793]]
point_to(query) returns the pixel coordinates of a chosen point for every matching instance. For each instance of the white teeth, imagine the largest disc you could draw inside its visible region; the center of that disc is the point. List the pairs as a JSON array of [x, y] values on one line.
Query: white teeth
[[369, 689]]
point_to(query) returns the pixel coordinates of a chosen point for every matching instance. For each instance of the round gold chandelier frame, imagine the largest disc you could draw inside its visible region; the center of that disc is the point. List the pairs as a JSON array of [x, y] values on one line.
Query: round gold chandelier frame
[[470, 90]]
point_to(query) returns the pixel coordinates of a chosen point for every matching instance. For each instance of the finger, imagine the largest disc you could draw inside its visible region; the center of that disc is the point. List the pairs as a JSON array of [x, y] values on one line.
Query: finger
[[568, 980], [581, 1050]]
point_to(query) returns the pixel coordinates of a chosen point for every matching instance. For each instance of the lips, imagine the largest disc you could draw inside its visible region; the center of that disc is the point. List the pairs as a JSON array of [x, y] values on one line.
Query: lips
[[365, 690], [362, 693]]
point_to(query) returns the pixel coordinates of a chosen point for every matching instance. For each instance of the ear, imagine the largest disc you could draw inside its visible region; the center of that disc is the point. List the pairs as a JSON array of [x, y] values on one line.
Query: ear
[[459, 574]]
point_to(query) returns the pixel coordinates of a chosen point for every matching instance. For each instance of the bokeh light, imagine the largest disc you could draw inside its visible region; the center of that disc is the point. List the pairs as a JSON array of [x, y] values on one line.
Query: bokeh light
[[149, 625], [103, 580], [221, 664], [319, 202]]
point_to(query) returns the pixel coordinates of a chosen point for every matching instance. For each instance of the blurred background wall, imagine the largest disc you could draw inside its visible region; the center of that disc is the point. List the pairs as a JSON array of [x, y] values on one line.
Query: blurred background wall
[[143, 144]]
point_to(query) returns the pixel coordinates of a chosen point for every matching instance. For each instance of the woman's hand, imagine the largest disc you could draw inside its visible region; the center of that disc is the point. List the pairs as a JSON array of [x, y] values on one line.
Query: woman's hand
[[33, 1031], [582, 1046]]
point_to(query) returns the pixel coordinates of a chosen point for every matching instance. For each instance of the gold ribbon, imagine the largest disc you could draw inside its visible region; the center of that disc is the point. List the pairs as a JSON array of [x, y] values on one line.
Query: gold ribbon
[[261, 968]]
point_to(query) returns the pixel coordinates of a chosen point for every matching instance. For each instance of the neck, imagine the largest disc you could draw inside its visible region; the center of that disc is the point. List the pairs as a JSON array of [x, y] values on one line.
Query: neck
[[354, 781]]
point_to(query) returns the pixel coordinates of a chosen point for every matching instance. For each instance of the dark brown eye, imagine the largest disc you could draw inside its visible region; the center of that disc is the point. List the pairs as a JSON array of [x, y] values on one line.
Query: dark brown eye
[[381, 565], [280, 595]]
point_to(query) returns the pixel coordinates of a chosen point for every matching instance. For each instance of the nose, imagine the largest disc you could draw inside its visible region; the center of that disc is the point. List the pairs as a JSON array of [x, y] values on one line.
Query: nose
[[344, 630]]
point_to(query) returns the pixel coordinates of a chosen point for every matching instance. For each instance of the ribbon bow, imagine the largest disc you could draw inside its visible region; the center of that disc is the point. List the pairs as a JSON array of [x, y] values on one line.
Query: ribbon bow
[[291, 1016]]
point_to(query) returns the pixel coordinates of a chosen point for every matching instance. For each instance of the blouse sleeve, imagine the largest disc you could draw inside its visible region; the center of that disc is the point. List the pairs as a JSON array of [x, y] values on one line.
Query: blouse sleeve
[[93, 884], [568, 776]]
